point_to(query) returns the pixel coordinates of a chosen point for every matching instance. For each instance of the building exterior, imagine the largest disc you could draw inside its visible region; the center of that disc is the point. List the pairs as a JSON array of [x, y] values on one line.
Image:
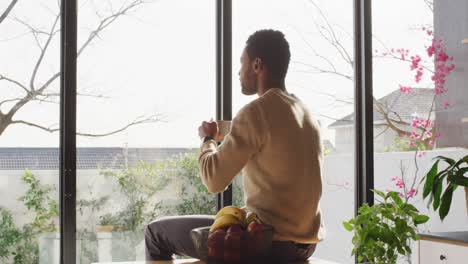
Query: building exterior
[[398, 106]]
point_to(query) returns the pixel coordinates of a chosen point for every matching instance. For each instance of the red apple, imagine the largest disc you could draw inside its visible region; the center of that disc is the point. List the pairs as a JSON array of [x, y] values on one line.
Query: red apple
[[216, 244], [232, 240], [255, 227], [255, 234], [235, 229], [232, 247], [216, 238]]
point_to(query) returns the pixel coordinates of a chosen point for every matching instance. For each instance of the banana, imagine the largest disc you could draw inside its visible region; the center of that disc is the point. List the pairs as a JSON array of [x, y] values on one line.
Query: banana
[[223, 221], [250, 218], [239, 213]]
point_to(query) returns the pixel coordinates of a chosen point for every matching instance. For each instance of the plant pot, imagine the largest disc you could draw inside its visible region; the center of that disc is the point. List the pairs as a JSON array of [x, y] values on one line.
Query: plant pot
[[104, 228]]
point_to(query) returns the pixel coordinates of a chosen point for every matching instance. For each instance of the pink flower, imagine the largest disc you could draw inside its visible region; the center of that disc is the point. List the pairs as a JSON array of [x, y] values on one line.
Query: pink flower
[[405, 89], [431, 143], [438, 135], [428, 134], [430, 50], [419, 74], [415, 62], [399, 183], [411, 193], [429, 32], [446, 104]]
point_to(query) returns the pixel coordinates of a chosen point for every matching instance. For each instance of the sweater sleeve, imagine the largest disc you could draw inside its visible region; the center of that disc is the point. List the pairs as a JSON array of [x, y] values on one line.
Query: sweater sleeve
[[219, 165]]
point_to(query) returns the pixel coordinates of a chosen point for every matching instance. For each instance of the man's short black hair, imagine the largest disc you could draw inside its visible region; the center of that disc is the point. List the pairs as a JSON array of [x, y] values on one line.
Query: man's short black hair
[[272, 48]]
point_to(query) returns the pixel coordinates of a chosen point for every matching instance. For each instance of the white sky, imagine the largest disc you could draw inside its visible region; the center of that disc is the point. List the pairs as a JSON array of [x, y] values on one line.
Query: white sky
[[161, 59]]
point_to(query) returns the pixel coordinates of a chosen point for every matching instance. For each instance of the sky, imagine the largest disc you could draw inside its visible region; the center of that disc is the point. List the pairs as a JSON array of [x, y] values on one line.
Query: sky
[[160, 59]]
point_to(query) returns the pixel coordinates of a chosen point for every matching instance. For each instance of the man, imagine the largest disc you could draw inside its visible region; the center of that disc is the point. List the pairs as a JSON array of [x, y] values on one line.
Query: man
[[276, 142]]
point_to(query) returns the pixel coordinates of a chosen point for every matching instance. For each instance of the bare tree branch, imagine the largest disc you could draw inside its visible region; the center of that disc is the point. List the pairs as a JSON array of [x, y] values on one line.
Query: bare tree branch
[[320, 70], [48, 129], [40, 95], [108, 21], [2, 77], [332, 39], [385, 130], [48, 82], [9, 100], [105, 22], [138, 121], [8, 10], [43, 52]]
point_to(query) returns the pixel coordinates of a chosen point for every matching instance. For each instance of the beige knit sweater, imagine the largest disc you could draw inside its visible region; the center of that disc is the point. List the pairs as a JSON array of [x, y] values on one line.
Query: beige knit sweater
[[276, 142]]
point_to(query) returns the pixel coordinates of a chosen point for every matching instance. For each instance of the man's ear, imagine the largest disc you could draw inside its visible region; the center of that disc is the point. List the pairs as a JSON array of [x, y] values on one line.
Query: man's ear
[[258, 65]]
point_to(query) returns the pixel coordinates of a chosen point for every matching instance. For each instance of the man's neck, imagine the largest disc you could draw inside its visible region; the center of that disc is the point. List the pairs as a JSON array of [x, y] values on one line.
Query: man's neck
[[264, 87]]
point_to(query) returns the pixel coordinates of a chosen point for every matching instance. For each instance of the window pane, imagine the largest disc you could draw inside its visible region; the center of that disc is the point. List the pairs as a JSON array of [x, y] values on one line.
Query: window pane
[[320, 74], [149, 76], [420, 110], [29, 138]]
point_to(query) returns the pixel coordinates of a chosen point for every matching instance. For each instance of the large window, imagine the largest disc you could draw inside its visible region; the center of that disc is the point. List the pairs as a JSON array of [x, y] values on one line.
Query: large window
[[146, 80], [29, 139], [419, 112], [321, 75]]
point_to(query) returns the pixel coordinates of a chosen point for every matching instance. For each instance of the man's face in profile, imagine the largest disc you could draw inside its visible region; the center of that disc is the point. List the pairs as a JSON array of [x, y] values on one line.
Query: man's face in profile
[[246, 75]]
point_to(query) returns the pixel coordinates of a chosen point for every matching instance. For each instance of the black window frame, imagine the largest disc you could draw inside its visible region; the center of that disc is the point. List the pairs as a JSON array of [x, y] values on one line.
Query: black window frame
[[364, 156]]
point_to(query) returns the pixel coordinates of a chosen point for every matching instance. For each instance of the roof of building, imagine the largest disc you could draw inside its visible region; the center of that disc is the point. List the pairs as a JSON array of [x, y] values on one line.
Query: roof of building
[[400, 105], [87, 158]]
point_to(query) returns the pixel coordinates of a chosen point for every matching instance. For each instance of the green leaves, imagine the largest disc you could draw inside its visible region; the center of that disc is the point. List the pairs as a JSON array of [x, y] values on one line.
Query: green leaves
[[430, 179], [348, 226], [10, 235], [420, 219], [453, 175], [383, 231], [446, 201]]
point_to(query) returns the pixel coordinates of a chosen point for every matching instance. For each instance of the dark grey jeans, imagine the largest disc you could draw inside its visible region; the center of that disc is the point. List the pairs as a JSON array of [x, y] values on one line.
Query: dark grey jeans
[[171, 235]]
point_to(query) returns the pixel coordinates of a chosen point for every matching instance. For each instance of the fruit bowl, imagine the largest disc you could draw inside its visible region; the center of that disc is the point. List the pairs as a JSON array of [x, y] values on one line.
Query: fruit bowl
[[253, 247]]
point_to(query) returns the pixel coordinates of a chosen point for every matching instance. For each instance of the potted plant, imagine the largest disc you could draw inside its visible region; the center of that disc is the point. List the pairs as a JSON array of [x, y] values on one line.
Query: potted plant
[[384, 231], [105, 223], [454, 175]]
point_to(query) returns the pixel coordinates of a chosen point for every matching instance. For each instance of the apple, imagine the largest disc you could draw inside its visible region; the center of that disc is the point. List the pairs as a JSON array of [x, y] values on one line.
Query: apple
[[235, 229], [216, 238], [232, 240], [255, 227], [255, 234], [232, 246], [216, 244]]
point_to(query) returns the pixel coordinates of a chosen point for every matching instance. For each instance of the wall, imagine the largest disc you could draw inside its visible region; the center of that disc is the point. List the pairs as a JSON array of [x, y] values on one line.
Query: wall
[[451, 24]]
